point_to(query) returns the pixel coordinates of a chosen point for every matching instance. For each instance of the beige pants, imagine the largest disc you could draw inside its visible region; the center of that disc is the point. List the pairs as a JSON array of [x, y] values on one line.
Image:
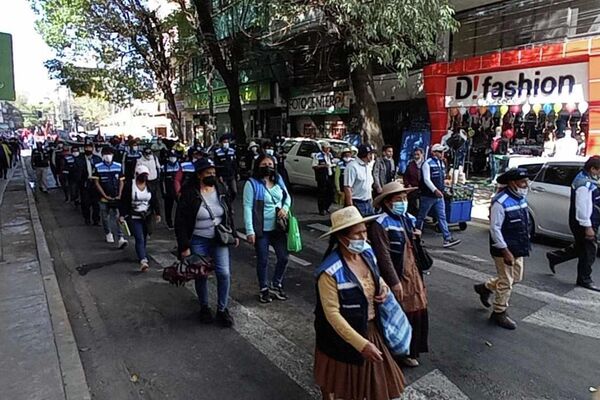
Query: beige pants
[[502, 284]]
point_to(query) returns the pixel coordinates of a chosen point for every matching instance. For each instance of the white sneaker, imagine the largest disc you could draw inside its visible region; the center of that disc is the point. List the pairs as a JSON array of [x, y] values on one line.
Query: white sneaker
[[123, 243], [144, 265], [110, 238]]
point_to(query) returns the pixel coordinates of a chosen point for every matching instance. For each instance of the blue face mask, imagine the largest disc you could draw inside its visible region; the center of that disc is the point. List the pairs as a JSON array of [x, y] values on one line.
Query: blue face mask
[[399, 207], [357, 246]]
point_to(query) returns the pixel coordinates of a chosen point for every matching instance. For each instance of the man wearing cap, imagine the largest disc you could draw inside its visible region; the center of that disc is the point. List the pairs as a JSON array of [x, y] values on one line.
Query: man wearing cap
[[84, 170], [358, 181], [584, 220], [346, 156], [252, 156], [432, 186], [109, 184], [322, 164], [226, 165], [509, 243]]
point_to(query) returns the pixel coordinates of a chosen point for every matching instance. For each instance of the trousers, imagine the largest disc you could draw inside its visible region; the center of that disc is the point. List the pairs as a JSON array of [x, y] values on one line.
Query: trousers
[[582, 249], [439, 206], [326, 191], [89, 200], [502, 284]]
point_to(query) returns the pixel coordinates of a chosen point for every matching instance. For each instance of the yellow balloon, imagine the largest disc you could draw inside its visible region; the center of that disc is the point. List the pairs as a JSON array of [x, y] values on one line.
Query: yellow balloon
[[503, 109], [557, 107], [536, 108]]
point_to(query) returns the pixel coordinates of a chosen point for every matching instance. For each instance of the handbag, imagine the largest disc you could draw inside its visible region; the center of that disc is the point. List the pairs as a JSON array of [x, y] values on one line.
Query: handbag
[[223, 234], [192, 267], [395, 328], [294, 240], [422, 258], [281, 223]]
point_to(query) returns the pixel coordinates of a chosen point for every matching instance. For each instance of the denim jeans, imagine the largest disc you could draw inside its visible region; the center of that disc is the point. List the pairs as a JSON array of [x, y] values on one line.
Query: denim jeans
[[278, 240], [439, 206], [220, 255], [364, 206], [110, 216], [139, 230]]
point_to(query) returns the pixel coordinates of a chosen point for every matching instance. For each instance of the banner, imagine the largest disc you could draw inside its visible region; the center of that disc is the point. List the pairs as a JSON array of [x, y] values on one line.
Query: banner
[[7, 80], [320, 104], [566, 83]]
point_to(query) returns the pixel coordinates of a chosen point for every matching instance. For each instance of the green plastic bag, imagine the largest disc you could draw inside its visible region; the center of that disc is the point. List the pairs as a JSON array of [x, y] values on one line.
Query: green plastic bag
[[294, 241]]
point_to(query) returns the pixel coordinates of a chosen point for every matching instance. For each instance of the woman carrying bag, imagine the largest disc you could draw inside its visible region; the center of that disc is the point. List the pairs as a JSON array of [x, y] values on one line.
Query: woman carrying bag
[[352, 359], [138, 205], [392, 238], [204, 225], [266, 206]]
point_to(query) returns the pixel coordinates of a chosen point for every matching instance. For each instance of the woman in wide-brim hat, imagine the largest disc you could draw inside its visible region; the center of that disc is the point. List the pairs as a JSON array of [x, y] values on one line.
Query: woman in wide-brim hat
[[392, 236], [351, 358]]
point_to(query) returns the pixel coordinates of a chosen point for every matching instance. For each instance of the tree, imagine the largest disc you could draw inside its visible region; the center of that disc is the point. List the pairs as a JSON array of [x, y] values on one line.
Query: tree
[[112, 49], [398, 34], [90, 111]]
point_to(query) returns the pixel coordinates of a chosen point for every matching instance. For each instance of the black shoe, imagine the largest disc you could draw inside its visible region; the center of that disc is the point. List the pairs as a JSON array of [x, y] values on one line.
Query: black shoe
[[224, 318], [484, 294], [278, 293], [589, 286], [503, 320], [551, 262], [451, 243], [206, 316], [264, 296]]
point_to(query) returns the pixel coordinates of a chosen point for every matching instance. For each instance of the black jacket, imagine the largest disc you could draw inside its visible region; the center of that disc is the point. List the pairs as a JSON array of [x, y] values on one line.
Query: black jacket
[[125, 206], [187, 209]]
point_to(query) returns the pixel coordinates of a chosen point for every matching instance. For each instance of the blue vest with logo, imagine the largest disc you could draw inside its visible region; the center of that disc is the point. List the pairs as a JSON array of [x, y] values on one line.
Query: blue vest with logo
[[69, 164], [437, 170], [225, 162], [109, 176], [395, 227], [584, 179], [171, 169], [515, 228], [188, 167], [353, 306]]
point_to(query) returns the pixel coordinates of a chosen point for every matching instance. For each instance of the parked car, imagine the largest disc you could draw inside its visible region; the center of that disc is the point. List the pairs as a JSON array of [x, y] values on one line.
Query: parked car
[[550, 193], [298, 161]]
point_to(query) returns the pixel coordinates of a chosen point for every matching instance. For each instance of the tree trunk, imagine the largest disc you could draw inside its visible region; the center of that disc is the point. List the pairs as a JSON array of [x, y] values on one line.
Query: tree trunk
[[175, 116], [235, 112], [362, 85]]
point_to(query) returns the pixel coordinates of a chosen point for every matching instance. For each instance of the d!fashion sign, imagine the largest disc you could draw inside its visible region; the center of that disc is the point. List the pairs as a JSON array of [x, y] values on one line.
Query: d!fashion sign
[[566, 83]]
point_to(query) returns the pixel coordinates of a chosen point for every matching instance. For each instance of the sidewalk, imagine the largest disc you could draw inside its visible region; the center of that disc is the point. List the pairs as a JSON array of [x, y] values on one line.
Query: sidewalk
[[40, 359]]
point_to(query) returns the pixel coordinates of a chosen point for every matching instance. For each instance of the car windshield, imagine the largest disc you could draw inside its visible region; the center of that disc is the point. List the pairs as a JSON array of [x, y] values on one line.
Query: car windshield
[[287, 146]]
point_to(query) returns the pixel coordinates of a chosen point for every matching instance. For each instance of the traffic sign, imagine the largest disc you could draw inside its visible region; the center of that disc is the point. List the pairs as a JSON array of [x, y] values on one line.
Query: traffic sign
[[7, 77]]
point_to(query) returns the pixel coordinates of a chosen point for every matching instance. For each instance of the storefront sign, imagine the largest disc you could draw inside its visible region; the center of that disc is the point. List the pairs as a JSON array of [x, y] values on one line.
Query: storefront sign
[[320, 104], [7, 81], [248, 94], [557, 84]]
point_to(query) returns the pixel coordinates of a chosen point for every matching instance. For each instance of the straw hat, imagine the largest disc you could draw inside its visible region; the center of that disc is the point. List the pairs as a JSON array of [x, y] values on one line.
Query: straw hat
[[389, 189], [345, 218]]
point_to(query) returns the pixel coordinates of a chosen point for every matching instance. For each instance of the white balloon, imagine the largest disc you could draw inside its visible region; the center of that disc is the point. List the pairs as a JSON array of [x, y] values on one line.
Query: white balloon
[[526, 108], [582, 106]]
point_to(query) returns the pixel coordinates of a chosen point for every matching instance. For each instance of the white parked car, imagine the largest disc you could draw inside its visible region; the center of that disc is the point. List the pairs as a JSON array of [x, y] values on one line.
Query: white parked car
[[298, 161], [550, 193]]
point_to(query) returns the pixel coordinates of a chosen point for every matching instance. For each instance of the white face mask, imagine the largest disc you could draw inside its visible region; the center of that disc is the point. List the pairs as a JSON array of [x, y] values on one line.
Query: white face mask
[[347, 159], [269, 152], [107, 158], [225, 146], [75, 154], [523, 191], [172, 160]]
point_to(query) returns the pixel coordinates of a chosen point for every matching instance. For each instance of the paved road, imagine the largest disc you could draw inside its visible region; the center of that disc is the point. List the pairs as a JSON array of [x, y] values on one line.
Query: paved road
[[131, 324]]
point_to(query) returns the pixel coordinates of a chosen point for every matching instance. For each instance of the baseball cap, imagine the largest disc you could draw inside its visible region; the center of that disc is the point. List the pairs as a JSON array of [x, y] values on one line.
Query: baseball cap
[[365, 149], [439, 147], [142, 169]]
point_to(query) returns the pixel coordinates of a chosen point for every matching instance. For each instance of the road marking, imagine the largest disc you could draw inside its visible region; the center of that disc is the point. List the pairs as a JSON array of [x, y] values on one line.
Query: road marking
[[434, 385], [319, 227], [455, 254], [292, 257]]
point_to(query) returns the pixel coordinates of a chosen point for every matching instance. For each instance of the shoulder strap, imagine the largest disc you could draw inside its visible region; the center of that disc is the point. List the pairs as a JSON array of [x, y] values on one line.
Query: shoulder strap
[[210, 213]]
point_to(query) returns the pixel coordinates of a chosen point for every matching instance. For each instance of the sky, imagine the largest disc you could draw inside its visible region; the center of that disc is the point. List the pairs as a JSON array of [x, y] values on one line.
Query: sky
[[29, 51]]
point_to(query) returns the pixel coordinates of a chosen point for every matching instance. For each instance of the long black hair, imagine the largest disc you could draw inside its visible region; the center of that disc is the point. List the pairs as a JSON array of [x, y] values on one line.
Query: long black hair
[[256, 174]]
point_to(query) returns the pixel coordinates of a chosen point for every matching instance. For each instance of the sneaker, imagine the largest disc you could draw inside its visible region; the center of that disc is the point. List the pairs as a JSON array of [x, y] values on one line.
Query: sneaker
[[144, 265], [503, 320], [484, 294], [451, 243], [110, 238], [278, 293], [224, 319], [206, 316], [265, 296], [122, 243]]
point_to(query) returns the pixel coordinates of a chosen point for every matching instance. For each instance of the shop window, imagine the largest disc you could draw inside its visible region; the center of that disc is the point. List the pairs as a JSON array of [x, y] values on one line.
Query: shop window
[[561, 175]]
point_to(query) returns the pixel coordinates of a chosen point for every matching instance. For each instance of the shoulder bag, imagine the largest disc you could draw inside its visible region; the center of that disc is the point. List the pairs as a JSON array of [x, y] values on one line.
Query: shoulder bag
[[223, 234], [422, 258], [395, 328]]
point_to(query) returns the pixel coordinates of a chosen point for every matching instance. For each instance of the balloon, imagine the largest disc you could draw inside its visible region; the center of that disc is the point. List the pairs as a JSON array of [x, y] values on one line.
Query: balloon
[[509, 133], [482, 110], [473, 110], [462, 110], [503, 110], [454, 111], [557, 107], [526, 108], [571, 107], [583, 106], [493, 109], [547, 108], [536, 108], [515, 109]]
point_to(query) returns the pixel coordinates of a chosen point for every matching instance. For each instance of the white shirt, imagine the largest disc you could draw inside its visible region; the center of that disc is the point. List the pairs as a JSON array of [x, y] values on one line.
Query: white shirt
[[566, 147], [584, 206], [496, 221], [328, 161], [359, 177], [140, 199], [426, 173]]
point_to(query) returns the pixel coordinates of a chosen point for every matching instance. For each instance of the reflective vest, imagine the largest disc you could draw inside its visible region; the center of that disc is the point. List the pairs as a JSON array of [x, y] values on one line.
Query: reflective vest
[[323, 159], [437, 170], [109, 176], [354, 306], [69, 164], [395, 226], [171, 169], [225, 162], [515, 228], [584, 179]]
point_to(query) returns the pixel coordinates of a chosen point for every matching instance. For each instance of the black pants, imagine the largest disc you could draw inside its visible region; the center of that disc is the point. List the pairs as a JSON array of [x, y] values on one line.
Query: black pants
[[155, 187], [326, 189], [3, 171], [584, 250], [89, 199], [170, 200], [231, 185], [413, 202]]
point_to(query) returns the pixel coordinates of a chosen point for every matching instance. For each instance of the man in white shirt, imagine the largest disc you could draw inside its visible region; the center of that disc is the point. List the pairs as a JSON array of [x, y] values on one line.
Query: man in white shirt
[[566, 145], [358, 181], [322, 164]]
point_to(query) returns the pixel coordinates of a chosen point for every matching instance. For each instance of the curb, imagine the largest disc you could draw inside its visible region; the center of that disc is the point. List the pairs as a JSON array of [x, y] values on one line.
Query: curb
[[74, 382]]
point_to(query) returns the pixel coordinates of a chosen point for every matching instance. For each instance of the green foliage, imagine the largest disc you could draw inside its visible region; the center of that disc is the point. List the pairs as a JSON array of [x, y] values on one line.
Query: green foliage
[[30, 110], [90, 111]]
